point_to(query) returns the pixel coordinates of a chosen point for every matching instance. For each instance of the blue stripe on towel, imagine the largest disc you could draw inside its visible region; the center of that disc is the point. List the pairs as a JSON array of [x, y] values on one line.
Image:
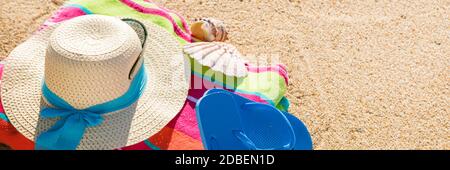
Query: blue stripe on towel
[[84, 9], [3, 117]]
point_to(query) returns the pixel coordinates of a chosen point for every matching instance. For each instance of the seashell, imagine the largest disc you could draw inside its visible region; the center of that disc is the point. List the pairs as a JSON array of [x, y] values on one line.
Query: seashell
[[218, 56], [209, 30]]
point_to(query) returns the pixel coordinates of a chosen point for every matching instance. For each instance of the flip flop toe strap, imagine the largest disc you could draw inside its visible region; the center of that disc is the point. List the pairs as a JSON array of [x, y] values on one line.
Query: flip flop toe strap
[[245, 140]]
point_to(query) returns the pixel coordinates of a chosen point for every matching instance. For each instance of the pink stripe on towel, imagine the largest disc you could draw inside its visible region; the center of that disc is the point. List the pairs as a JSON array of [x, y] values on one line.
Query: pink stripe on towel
[[66, 13], [186, 121], [280, 69], [1, 74], [183, 21], [161, 13]]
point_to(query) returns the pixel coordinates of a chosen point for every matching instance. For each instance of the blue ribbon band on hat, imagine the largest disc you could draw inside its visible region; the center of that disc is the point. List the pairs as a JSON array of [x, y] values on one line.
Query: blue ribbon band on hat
[[68, 131]]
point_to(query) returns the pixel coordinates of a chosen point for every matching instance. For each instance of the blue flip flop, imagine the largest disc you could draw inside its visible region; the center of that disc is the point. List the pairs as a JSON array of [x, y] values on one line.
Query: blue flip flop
[[304, 141], [230, 122]]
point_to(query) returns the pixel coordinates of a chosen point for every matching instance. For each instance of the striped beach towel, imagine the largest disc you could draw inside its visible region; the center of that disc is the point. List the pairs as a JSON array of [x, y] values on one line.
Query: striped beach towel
[[182, 132]]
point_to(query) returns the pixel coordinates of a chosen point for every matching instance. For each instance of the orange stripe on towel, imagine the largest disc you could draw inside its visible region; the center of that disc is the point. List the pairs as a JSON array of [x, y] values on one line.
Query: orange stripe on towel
[[15, 140], [171, 139]]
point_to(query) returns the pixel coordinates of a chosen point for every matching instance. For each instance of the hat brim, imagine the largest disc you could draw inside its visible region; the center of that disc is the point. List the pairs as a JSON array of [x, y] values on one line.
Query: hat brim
[[165, 94]]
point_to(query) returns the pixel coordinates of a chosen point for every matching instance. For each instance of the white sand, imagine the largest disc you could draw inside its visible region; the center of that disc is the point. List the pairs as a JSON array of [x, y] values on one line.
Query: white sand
[[364, 74]]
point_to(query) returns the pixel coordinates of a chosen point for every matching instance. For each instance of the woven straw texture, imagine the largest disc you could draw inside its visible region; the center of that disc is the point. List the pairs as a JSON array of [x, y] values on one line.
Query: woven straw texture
[[163, 98]]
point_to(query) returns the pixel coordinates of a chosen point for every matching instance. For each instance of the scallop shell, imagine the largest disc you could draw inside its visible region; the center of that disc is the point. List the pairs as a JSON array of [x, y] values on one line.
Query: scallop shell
[[218, 56], [209, 30]]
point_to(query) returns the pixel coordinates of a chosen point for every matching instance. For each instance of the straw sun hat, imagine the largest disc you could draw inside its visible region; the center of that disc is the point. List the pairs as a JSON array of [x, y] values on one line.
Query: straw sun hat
[[75, 67]]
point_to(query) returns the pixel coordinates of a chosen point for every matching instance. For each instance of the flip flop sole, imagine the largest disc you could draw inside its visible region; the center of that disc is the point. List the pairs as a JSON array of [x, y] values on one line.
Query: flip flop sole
[[302, 136], [218, 118], [230, 122]]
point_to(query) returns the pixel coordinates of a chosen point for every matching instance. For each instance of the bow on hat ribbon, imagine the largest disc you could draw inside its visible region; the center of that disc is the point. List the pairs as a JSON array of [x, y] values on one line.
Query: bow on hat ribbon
[[68, 131]]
